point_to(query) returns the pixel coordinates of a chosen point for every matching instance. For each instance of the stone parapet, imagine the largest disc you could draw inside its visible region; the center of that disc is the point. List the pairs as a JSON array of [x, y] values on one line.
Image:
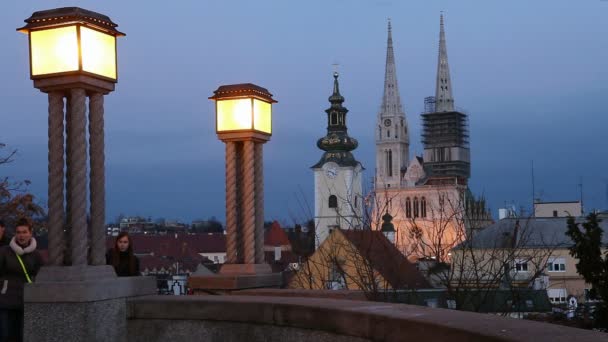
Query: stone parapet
[[164, 318]]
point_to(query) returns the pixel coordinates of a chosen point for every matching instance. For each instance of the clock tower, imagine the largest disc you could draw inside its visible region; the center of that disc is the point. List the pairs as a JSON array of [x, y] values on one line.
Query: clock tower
[[392, 136], [338, 185]]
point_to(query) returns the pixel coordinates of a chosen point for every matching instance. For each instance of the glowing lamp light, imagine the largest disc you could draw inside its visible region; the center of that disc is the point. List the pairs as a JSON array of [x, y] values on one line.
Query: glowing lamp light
[[243, 111], [72, 41]]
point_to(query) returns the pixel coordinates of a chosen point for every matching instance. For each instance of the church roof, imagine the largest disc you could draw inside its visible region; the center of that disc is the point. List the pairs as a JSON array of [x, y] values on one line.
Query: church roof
[[337, 144], [444, 101], [391, 100]]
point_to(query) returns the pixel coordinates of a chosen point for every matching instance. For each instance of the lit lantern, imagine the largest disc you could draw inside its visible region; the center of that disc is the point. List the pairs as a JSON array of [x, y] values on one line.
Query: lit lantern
[[388, 229], [243, 111], [72, 41]]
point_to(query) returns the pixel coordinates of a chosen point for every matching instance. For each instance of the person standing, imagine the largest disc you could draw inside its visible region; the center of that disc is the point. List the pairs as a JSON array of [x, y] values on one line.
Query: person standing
[[4, 239], [122, 258], [19, 264]]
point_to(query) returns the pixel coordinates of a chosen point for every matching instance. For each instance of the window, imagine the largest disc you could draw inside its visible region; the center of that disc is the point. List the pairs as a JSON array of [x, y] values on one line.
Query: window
[[334, 118], [333, 201], [554, 213], [557, 296], [556, 265], [336, 277], [355, 201], [521, 265], [416, 211], [388, 133], [423, 207], [408, 208], [389, 163]]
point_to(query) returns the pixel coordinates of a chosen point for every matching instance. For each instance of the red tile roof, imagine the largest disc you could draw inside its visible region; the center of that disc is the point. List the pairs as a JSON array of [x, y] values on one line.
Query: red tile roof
[[275, 236], [176, 246], [385, 258]]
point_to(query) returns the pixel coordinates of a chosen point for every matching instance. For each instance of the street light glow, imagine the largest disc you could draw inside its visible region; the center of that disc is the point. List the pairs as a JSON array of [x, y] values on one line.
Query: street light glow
[[98, 52], [54, 50]]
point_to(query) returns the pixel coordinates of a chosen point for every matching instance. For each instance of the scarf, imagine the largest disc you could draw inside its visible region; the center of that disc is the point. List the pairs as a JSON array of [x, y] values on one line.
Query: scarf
[[19, 250]]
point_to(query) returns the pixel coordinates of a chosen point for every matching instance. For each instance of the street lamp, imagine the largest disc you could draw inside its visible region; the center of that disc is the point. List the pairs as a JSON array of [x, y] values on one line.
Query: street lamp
[[244, 122], [243, 111], [73, 56], [388, 229], [72, 41]]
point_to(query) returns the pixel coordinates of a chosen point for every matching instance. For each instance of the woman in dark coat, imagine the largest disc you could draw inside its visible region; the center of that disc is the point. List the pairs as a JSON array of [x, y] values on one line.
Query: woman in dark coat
[[19, 264], [121, 257]]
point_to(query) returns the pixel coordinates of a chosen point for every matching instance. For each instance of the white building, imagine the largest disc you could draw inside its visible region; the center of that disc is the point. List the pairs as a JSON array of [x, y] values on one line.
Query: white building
[[338, 175], [558, 209]]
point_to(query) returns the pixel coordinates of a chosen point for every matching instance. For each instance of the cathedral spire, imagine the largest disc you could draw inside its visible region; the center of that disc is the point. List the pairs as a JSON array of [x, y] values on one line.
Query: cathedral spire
[[444, 101], [391, 102]]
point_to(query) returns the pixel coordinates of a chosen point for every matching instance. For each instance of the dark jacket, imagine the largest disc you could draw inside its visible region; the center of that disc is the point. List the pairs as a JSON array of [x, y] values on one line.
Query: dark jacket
[[5, 240], [12, 277], [123, 269]]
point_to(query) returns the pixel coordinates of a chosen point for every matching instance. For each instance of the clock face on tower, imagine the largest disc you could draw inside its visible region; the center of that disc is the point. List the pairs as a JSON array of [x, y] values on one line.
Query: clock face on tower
[[331, 172], [387, 122]]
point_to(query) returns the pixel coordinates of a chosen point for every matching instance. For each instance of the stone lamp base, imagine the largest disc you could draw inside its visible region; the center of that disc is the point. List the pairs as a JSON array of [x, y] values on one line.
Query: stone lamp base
[[80, 303], [235, 277]]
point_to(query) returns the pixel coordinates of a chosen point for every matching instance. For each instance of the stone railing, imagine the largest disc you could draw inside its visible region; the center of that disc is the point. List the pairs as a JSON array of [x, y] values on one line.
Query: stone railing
[[271, 318]]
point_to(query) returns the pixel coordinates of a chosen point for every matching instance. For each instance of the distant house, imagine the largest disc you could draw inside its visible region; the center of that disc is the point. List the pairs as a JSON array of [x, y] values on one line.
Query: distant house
[[558, 209], [523, 253], [277, 248], [358, 260], [176, 253]]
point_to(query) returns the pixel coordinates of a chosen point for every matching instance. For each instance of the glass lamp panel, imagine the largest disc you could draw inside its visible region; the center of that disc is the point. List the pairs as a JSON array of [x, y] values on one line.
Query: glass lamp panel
[[98, 52], [262, 120], [54, 50], [234, 115]]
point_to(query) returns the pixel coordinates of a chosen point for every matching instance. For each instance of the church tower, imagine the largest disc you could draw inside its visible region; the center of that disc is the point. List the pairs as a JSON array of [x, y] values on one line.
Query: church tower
[[338, 175], [445, 134], [392, 136]]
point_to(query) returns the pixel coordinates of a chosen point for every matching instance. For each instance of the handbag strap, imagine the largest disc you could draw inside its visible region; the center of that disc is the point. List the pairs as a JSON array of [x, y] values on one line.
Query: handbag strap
[[27, 276]]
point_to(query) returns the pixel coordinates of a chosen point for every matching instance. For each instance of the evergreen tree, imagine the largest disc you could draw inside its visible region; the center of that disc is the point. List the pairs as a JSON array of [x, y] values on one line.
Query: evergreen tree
[[593, 263]]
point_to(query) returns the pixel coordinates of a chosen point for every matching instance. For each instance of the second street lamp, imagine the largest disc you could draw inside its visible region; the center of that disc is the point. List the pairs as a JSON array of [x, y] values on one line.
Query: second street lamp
[[244, 123]]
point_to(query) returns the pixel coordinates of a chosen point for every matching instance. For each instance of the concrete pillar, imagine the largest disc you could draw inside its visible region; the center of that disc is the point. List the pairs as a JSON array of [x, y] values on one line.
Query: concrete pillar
[[231, 198], [97, 179], [248, 201], [55, 178], [77, 157], [259, 203]]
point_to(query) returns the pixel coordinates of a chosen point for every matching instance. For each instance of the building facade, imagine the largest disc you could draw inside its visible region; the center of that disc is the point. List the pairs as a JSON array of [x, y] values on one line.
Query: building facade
[[523, 253], [558, 209], [337, 175], [427, 195]]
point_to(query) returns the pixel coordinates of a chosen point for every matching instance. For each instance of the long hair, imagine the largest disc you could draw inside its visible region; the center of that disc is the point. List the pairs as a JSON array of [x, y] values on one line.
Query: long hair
[[116, 253]]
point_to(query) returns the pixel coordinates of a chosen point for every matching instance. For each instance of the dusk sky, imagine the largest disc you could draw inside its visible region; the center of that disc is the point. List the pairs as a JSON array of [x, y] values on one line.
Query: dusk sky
[[532, 75]]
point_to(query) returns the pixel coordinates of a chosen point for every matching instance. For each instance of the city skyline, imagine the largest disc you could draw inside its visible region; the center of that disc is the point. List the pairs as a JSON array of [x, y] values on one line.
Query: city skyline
[[512, 71]]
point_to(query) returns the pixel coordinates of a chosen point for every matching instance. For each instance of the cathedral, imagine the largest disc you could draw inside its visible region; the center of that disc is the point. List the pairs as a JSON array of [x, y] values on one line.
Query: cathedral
[[427, 196], [425, 200]]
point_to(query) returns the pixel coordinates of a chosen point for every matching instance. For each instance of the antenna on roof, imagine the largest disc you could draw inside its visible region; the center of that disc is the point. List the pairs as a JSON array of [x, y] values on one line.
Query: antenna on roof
[[533, 194], [606, 181], [580, 185]]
